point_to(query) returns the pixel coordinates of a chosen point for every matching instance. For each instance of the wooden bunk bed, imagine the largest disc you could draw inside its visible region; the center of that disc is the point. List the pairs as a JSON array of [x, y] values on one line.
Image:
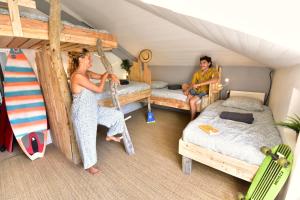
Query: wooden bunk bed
[[213, 95], [49, 38], [221, 162]]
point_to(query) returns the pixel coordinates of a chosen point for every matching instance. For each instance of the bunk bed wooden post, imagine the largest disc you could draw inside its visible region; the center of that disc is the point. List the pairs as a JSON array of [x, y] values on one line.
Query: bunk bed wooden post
[[55, 87], [55, 28], [214, 91]]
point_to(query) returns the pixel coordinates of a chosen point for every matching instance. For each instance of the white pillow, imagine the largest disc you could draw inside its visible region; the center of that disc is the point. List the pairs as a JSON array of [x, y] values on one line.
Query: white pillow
[[244, 103], [158, 84]]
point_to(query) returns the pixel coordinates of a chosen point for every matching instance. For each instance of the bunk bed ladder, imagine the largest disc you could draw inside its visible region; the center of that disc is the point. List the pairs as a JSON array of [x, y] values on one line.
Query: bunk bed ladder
[[113, 87]]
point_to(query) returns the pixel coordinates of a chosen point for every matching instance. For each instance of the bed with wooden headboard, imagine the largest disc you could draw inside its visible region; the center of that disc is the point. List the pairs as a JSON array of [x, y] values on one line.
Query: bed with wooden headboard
[[176, 98], [220, 157], [140, 77]]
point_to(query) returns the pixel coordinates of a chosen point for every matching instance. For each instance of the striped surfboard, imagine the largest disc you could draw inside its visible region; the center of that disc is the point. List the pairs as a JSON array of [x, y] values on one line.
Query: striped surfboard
[[25, 105]]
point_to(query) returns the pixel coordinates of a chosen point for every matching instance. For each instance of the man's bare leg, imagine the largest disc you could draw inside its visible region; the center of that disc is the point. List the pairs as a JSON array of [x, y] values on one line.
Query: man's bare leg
[[193, 106]]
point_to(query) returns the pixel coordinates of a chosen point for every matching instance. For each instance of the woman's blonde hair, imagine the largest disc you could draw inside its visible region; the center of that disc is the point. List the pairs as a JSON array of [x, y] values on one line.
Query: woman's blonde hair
[[74, 59]]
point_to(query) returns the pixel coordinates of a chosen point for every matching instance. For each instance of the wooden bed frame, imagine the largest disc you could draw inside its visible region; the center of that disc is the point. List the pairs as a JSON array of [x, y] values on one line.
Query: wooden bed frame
[[213, 95], [138, 72], [227, 164]]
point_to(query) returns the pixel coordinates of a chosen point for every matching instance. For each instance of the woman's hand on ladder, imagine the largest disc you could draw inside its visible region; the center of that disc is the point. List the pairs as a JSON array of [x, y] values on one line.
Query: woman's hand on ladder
[[114, 79]]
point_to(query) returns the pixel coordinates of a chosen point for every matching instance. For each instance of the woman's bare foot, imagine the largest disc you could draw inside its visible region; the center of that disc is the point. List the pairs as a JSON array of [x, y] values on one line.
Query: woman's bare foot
[[93, 170], [113, 138]]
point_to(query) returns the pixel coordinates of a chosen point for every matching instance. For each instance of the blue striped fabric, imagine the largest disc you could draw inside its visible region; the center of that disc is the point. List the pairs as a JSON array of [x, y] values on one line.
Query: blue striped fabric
[[18, 69], [30, 119], [11, 80], [22, 93], [29, 105]]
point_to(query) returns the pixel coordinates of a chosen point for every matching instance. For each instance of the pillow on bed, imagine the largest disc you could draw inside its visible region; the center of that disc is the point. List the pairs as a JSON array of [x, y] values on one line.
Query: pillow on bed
[[158, 84], [244, 103]]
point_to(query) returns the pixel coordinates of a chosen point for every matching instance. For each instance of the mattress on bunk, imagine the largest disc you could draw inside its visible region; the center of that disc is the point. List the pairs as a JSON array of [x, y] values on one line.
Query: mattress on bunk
[[31, 13], [170, 94], [132, 87], [235, 139]]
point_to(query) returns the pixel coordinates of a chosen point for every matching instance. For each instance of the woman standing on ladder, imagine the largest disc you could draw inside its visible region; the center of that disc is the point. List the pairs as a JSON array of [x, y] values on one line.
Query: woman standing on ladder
[[86, 114]]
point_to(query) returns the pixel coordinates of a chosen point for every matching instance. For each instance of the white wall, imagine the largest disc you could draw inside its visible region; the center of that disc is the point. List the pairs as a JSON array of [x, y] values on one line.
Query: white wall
[[255, 79], [285, 101], [98, 67]]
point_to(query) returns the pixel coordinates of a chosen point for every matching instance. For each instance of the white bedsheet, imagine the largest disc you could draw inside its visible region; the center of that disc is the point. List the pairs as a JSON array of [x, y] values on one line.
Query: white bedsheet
[[171, 94], [236, 139], [132, 87]]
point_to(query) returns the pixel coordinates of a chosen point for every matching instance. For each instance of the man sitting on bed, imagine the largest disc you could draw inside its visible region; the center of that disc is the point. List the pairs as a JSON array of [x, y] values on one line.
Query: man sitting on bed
[[200, 83]]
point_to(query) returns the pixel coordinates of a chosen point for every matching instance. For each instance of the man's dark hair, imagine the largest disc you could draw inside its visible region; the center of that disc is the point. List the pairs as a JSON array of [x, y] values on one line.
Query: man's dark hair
[[207, 58]]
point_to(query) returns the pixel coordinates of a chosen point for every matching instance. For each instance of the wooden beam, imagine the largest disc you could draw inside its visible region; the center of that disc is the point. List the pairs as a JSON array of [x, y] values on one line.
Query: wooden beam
[[15, 17], [25, 3], [63, 90]]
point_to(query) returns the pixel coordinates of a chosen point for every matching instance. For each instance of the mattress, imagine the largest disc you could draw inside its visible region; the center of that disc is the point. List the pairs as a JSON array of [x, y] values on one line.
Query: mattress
[[171, 94], [132, 87], [235, 139], [31, 13]]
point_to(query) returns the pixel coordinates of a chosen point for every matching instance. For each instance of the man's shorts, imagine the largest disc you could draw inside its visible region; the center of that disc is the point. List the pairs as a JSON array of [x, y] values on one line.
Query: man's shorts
[[194, 93]]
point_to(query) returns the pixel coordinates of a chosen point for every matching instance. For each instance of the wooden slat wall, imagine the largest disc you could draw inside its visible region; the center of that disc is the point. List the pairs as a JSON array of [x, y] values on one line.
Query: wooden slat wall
[[55, 107], [140, 72]]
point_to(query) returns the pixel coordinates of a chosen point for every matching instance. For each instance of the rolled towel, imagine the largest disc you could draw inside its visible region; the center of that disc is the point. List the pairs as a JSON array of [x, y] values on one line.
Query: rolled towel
[[124, 82], [239, 117], [174, 87]]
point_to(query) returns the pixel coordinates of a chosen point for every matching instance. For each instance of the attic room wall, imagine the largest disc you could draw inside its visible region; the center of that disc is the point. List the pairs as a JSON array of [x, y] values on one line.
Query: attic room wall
[[241, 78], [285, 98], [285, 101], [98, 67], [44, 7]]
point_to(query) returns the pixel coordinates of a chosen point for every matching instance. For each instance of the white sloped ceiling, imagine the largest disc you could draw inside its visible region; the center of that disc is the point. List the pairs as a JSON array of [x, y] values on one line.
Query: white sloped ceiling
[[177, 39]]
